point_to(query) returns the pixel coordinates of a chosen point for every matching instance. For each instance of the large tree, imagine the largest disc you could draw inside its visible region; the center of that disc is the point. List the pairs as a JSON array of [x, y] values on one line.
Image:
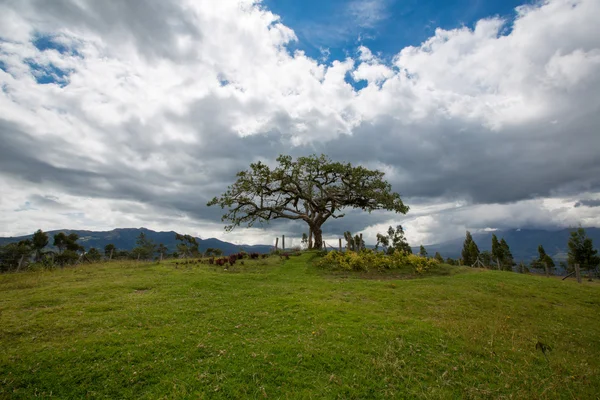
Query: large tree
[[310, 189]]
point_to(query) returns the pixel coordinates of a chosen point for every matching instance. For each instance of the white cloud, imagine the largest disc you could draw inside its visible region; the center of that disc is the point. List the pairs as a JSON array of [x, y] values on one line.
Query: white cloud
[[158, 114]]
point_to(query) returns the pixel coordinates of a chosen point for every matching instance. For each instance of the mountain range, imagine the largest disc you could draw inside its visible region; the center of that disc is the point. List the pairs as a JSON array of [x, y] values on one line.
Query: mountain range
[[523, 243], [125, 239]]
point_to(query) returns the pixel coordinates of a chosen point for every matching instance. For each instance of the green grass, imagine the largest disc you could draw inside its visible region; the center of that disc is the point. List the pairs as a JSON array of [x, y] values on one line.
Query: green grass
[[289, 330]]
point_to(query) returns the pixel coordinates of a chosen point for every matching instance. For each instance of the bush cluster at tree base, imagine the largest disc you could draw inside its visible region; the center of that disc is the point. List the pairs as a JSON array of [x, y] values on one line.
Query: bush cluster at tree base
[[367, 260]]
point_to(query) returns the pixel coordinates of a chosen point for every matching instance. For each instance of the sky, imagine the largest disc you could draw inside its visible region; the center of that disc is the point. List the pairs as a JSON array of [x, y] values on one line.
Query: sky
[[483, 114]]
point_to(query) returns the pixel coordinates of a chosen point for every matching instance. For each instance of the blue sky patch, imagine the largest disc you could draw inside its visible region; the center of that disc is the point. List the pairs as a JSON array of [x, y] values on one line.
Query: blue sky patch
[[48, 74], [357, 85], [45, 42], [332, 30]]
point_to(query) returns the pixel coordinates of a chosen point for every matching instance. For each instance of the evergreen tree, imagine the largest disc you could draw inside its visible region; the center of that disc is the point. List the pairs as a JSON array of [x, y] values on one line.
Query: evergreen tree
[[497, 252], [438, 257], [544, 259], [470, 250], [507, 260], [581, 251], [422, 251]]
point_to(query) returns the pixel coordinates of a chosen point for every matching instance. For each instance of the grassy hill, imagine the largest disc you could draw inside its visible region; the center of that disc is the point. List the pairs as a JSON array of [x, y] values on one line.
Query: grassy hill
[[285, 329]]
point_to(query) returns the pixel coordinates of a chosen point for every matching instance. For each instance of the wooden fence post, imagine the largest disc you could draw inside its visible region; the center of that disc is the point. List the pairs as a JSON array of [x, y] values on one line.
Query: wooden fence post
[[340, 245], [578, 273], [547, 270], [282, 242], [276, 243], [111, 252]]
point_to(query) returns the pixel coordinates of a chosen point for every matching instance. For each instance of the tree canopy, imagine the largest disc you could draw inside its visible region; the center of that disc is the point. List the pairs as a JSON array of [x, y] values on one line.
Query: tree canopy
[[310, 189]]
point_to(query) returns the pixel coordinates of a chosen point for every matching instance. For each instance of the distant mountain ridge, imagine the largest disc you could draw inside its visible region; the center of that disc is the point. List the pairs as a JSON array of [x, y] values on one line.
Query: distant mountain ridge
[[523, 243], [125, 239]]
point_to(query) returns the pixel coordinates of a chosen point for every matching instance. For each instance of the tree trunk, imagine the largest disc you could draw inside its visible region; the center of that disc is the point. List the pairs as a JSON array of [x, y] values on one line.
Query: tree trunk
[[318, 234]]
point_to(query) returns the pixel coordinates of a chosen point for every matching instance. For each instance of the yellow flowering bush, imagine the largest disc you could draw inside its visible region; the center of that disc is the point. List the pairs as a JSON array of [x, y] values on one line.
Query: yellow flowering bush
[[366, 260]]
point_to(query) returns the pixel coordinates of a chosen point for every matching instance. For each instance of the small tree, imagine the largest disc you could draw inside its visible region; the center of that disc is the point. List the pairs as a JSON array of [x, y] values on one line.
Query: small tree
[[60, 241], [67, 242], [93, 254], [145, 247], [109, 250], [394, 240], [14, 255], [544, 260], [422, 251], [188, 246], [162, 250], [470, 250], [438, 257], [581, 251], [39, 241], [310, 189]]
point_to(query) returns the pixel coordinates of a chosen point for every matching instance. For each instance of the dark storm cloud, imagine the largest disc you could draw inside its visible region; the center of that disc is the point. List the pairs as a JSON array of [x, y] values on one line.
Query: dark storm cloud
[[588, 203]]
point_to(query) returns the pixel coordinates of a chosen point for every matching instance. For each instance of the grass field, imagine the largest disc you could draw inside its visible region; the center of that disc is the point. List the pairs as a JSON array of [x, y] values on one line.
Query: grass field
[[286, 329]]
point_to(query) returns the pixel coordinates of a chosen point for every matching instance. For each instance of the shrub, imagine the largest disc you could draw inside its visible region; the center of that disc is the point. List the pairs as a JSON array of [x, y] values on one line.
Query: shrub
[[366, 260], [255, 256]]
